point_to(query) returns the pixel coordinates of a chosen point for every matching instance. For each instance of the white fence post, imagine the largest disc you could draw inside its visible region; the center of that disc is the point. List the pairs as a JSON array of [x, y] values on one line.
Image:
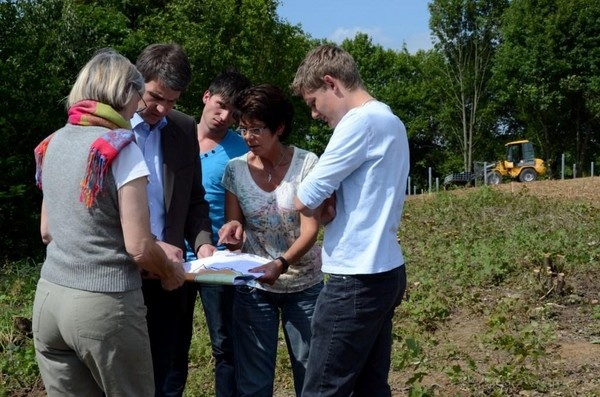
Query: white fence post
[[429, 180], [485, 181]]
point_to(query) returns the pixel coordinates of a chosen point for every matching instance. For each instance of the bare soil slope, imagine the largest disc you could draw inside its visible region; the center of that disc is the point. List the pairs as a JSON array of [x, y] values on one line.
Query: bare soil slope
[[584, 189], [572, 364]]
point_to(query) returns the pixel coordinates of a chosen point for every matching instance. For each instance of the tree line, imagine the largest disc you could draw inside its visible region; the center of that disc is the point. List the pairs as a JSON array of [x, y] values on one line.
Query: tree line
[[499, 70]]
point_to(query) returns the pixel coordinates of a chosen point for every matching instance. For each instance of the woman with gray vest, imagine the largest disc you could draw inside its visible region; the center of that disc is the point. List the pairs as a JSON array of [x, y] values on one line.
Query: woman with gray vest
[[89, 322]]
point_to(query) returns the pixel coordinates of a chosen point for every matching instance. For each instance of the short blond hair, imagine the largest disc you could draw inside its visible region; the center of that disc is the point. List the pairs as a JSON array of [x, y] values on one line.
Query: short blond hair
[[109, 78], [324, 60]]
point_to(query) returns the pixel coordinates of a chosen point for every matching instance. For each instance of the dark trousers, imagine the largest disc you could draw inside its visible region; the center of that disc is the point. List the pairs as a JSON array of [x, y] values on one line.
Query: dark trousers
[[351, 343], [217, 301], [164, 317]]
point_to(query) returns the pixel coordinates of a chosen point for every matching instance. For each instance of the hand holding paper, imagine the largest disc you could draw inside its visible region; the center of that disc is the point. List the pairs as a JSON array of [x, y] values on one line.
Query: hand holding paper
[[225, 267], [271, 272]]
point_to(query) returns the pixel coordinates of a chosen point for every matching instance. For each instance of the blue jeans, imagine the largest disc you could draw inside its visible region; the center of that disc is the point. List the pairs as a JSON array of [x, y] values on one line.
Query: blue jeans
[[217, 301], [352, 335], [256, 327]]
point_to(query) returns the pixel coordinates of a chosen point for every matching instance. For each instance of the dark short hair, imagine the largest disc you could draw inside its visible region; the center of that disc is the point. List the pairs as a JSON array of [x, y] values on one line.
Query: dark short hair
[[267, 103], [166, 63], [228, 85]]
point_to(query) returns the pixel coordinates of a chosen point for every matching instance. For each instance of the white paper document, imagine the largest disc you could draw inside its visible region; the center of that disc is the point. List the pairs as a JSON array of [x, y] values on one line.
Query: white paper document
[[225, 267]]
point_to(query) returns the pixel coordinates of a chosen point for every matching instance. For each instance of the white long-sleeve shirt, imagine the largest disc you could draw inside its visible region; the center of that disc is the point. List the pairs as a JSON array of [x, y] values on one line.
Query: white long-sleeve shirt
[[366, 164]]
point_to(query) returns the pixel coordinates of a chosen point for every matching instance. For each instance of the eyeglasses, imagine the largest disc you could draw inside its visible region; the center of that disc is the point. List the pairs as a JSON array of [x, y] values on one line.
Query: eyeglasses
[[255, 131], [143, 107]]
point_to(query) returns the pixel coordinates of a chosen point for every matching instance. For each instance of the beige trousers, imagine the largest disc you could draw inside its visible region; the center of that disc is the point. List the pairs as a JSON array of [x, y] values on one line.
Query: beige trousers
[[91, 343]]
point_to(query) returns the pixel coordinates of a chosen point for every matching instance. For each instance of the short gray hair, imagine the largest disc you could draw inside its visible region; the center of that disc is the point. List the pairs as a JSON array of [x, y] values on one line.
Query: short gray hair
[[109, 78]]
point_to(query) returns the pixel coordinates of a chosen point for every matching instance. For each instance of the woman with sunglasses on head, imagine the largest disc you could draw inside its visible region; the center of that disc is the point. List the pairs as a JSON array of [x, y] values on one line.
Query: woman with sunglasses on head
[[259, 203], [89, 324]]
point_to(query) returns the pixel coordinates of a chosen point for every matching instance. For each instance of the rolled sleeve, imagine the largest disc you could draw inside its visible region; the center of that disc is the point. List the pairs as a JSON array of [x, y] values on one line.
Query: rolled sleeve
[[308, 196]]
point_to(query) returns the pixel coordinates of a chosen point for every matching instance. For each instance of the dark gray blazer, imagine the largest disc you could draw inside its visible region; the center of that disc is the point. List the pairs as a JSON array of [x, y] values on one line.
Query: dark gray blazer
[[186, 209]]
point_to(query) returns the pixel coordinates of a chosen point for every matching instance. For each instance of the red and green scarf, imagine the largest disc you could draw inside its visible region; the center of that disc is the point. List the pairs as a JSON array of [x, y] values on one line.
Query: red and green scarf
[[102, 151]]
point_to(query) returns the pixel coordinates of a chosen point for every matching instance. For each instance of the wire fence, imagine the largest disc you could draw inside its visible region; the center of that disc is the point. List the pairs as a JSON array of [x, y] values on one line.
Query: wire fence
[[480, 176]]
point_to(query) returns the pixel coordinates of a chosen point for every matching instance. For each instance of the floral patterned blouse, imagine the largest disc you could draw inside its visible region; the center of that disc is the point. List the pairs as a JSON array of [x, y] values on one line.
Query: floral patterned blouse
[[272, 221]]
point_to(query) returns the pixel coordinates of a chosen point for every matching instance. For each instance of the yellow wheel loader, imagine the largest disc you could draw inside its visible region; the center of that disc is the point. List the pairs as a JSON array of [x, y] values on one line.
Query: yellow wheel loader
[[520, 163]]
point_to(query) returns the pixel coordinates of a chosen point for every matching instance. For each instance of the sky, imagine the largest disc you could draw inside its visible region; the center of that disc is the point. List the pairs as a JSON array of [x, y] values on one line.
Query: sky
[[390, 23]]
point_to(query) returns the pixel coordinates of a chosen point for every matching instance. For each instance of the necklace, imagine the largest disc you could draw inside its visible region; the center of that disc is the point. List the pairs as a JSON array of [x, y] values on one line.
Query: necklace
[[269, 176]]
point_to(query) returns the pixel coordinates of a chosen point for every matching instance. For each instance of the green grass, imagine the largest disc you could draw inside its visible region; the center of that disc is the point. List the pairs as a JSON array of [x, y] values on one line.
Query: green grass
[[18, 369], [477, 319], [472, 255]]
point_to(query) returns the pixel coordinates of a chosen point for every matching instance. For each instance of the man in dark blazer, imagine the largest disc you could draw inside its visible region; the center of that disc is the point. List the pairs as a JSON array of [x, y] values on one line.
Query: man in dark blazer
[[178, 210]]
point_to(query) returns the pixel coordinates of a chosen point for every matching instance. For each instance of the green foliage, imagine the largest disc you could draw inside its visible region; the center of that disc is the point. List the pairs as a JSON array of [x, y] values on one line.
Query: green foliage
[[547, 73], [409, 356], [18, 368], [471, 252], [596, 312], [459, 248], [467, 39], [45, 43], [546, 78], [524, 342]]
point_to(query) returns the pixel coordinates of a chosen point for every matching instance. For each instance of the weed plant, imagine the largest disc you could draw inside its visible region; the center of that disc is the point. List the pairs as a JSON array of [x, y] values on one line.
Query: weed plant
[[472, 254], [18, 369], [475, 321]]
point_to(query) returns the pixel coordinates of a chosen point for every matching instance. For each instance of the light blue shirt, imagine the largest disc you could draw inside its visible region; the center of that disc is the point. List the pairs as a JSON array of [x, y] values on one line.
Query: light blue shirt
[[213, 165], [148, 140], [366, 164]]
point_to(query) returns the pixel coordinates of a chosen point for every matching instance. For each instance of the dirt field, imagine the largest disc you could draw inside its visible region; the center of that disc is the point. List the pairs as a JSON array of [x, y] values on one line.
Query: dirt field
[[574, 356], [573, 364], [586, 189], [578, 343]]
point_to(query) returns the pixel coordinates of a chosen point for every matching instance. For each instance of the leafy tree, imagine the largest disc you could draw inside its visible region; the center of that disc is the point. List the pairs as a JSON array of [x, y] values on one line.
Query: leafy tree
[[548, 74], [467, 37], [45, 42], [43, 46], [422, 106], [245, 35]]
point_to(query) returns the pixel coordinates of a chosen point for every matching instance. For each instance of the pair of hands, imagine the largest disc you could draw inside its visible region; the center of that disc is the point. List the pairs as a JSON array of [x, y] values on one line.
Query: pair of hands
[[175, 256], [232, 234]]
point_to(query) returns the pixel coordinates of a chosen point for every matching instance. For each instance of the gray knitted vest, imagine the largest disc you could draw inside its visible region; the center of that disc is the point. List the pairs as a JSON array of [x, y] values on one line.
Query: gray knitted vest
[[87, 250]]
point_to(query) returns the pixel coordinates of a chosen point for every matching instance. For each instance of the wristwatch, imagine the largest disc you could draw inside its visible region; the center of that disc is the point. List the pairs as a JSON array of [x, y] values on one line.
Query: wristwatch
[[285, 263]]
